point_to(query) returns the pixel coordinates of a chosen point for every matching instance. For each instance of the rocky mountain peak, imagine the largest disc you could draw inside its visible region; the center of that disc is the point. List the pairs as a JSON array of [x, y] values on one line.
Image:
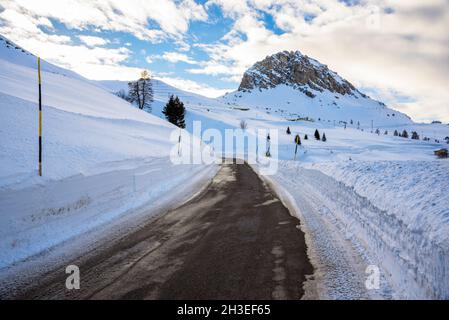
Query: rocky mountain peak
[[294, 69]]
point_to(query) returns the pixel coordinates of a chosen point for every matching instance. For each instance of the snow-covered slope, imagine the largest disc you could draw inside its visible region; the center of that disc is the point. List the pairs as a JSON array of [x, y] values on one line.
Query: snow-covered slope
[[101, 157], [293, 86], [15, 54]]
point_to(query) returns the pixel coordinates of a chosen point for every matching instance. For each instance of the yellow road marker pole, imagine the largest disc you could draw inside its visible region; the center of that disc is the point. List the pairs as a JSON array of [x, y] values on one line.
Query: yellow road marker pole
[[40, 115]]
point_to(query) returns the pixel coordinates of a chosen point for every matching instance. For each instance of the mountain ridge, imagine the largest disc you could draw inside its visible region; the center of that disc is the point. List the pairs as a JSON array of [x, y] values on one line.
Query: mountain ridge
[[297, 70]]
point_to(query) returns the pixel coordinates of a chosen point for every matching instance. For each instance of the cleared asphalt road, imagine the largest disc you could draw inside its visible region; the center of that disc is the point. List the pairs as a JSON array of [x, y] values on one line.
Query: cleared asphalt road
[[234, 241]]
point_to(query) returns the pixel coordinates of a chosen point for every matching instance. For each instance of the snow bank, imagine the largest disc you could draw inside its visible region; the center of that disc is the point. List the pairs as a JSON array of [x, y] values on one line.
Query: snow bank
[[39, 217], [394, 214], [410, 233]]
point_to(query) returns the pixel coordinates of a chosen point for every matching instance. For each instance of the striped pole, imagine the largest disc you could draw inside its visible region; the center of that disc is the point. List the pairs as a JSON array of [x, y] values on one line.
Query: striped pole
[[40, 115], [179, 143]]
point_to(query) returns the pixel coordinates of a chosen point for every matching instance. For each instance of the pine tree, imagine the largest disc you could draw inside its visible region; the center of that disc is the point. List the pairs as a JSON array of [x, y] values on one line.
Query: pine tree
[[415, 135], [404, 134], [175, 111], [396, 133], [324, 138], [317, 135], [288, 130], [306, 137], [377, 131], [141, 91]]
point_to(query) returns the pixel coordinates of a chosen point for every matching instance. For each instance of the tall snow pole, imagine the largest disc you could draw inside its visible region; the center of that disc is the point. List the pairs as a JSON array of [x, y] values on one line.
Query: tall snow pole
[[268, 154], [179, 143], [297, 142], [40, 115]]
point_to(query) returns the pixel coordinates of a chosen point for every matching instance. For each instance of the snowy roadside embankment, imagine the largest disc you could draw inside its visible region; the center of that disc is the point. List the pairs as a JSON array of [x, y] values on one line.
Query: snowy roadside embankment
[[41, 216], [410, 234], [386, 213]]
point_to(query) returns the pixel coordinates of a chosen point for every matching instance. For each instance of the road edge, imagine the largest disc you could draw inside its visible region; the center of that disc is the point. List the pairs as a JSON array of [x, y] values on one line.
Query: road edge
[[311, 284]]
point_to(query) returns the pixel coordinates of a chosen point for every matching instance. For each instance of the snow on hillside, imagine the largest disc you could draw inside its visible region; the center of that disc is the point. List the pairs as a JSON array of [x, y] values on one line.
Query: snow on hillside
[[289, 103], [102, 158], [13, 53]]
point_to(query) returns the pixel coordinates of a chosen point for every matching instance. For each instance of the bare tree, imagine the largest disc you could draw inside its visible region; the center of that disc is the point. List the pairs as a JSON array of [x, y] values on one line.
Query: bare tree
[[141, 91]]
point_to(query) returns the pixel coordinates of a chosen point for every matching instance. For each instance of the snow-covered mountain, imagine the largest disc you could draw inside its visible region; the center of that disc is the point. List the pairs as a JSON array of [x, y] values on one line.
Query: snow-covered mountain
[[296, 70], [295, 86]]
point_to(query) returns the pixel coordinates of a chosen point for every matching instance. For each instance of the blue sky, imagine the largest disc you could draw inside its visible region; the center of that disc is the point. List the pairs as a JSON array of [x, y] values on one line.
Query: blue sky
[[394, 50]]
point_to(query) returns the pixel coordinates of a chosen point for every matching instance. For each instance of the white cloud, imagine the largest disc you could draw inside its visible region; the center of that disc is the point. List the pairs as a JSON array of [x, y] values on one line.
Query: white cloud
[[149, 59], [132, 16], [177, 57], [195, 87], [172, 57], [22, 22], [93, 41], [405, 52]]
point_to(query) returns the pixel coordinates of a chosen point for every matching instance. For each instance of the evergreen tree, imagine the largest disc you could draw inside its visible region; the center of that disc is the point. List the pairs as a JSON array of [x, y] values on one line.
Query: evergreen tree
[[141, 91], [288, 130], [415, 135], [396, 133], [317, 135], [324, 138], [175, 111], [386, 132], [377, 131], [306, 137], [404, 134]]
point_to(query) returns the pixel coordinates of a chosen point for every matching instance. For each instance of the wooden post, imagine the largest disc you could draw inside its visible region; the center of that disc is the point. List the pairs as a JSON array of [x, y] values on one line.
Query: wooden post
[[40, 115]]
